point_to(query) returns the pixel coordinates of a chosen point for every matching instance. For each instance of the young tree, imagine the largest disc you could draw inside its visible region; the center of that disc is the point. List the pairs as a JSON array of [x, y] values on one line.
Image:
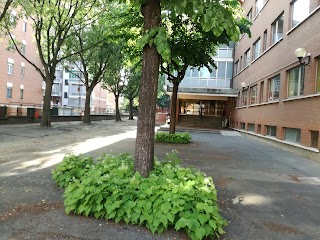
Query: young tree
[[216, 16], [52, 22], [132, 89]]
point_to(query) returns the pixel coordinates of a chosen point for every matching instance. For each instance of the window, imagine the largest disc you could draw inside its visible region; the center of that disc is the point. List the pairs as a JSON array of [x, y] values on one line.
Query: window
[[22, 71], [261, 92], [296, 82], [10, 68], [242, 126], [265, 40], [240, 64], [251, 127], [9, 92], [253, 94], [314, 142], [23, 47], [274, 88], [249, 15], [292, 135], [21, 93], [247, 58], [65, 95], [277, 29], [24, 26], [13, 17], [66, 82], [259, 129], [256, 49], [244, 97], [259, 5], [299, 11], [271, 131], [318, 77], [236, 66]]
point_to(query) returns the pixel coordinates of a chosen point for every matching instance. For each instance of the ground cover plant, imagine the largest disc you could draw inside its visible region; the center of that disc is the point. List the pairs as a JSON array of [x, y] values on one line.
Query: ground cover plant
[[173, 138], [172, 195]]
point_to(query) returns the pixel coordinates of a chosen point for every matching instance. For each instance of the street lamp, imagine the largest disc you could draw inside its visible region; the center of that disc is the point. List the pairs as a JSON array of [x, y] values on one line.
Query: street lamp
[[243, 85], [301, 53]]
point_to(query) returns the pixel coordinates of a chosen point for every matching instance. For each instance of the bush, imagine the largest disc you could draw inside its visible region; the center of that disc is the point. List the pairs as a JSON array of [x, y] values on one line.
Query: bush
[[171, 196], [173, 138]]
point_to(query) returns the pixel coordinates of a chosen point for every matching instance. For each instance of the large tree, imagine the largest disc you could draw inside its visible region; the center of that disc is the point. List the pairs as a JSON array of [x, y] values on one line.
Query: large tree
[[52, 23], [213, 15]]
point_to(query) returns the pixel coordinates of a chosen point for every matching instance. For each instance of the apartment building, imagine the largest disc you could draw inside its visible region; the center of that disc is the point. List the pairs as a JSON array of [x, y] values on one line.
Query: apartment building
[[20, 83], [279, 95], [207, 94]]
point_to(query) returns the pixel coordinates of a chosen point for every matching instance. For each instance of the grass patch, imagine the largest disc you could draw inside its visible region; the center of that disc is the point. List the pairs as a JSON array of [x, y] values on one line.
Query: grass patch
[[173, 138], [172, 195]]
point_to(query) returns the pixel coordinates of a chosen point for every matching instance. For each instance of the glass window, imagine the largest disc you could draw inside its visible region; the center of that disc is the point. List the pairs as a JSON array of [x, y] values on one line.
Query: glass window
[[256, 49], [271, 131], [242, 126], [204, 72], [65, 95], [247, 58], [274, 88], [296, 82], [253, 94], [229, 70], [24, 26], [23, 48], [299, 10], [236, 67], [259, 129], [21, 93], [249, 15], [251, 127], [261, 92], [22, 71], [195, 73], [244, 97], [265, 40], [9, 92], [240, 64], [292, 135], [277, 29], [10, 68], [221, 69], [314, 139], [259, 5]]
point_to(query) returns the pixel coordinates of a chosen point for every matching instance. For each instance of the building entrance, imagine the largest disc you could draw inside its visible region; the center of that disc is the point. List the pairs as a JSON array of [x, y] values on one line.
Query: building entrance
[[202, 107]]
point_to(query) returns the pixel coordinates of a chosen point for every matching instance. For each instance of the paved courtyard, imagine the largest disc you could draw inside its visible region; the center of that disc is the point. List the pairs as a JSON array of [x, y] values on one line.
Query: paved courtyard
[[264, 192]]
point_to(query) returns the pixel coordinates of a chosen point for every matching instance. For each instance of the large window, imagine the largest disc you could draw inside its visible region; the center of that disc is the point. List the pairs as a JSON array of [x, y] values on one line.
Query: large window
[[274, 88], [296, 82], [9, 92], [271, 131], [253, 94], [277, 29], [256, 49], [292, 135], [247, 58], [299, 11], [259, 5]]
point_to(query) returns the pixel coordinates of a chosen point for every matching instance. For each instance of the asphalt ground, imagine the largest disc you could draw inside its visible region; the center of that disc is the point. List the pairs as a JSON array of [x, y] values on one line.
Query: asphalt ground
[[264, 192]]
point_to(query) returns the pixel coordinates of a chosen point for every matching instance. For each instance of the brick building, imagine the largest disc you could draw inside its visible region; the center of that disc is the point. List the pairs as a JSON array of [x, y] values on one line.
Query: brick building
[[20, 83], [279, 97]]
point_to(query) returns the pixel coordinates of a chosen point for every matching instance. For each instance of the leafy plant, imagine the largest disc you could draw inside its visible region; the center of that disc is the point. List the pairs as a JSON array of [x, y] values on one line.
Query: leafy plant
[[173, 138], [183, 198]]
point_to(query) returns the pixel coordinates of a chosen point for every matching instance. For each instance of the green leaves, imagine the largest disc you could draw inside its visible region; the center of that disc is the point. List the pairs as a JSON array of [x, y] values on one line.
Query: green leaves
[[170, 196], [173, 138]]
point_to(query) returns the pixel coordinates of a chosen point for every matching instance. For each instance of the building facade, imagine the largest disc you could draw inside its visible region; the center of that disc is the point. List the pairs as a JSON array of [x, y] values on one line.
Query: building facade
[[207, 94], [279, 97], [20, 83]]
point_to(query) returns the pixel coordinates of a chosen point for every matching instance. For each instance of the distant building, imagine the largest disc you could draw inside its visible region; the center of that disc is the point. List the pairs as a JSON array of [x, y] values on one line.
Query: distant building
[[279, 97]]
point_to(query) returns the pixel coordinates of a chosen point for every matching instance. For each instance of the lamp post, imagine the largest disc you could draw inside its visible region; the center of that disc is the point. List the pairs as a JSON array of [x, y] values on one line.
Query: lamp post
[[301, 53]]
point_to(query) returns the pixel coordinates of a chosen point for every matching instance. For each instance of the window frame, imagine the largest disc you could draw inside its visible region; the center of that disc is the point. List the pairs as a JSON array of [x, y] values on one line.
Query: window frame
[[10, 68], [256, 54], [292, 8], [265, 40], [254, 89], [317, 87], [244, 97], [275, 26], [247, 58], [271, 88], [297, 136], [21, 93], [9, 92], [301, 76]]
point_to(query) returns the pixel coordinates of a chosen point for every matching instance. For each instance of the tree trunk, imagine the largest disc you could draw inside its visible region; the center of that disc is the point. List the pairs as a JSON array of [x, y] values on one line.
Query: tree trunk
[[130, 108], [118, 117], [45, 118], [173, 109], [144, 149], [86, 116]]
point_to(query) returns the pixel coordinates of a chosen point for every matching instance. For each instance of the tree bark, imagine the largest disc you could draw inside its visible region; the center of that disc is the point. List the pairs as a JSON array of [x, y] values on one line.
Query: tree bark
[[118, 117], [45, 118], [173, 109], [86, 116], [130, 108], [144, 149]]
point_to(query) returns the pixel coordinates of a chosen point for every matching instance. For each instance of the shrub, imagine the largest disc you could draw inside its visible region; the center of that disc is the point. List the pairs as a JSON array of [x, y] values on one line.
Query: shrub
[[173, 138], [171, 196]]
